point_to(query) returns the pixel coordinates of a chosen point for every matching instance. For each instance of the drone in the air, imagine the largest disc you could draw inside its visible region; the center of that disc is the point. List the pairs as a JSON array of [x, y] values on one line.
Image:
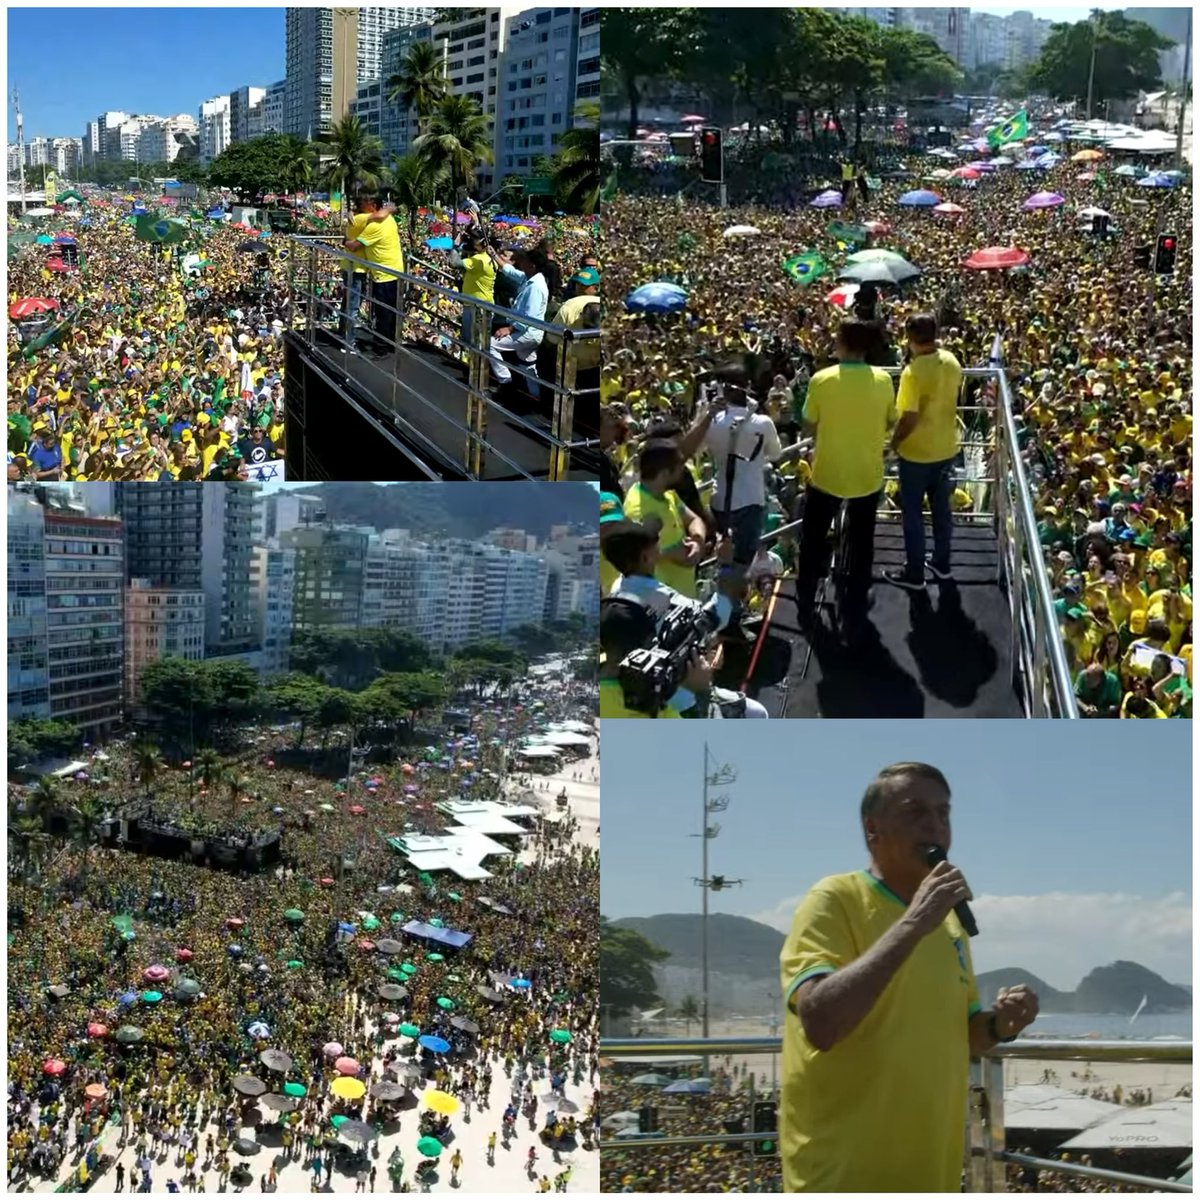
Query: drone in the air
[[717, 883]]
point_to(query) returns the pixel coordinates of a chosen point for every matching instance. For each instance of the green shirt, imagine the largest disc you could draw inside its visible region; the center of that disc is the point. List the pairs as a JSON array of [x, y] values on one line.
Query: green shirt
[[1107, 697]]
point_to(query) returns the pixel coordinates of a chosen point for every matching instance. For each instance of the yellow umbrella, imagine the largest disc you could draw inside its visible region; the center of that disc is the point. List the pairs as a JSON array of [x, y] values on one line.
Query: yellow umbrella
[[1087, 156], [348, 1088], [441, 1102]]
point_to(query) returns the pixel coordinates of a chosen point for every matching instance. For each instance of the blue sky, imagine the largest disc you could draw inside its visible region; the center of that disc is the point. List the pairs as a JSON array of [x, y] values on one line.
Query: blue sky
[[69, 64], [1076, 838]]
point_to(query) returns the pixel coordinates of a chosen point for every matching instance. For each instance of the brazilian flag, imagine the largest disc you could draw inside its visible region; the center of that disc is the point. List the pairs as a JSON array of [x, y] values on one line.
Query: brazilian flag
[[805, 268], [1015, 129], [162, 231]]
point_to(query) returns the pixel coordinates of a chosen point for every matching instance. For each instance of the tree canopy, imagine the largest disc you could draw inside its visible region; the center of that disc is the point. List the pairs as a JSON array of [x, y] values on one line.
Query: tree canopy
[[626, 978], [32, 738], [271, 163], [1126, 59]]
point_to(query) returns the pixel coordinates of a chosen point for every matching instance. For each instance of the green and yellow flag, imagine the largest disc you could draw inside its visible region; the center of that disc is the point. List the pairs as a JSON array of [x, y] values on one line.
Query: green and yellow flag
[[160, 230], [1015, 129], [805, 268]]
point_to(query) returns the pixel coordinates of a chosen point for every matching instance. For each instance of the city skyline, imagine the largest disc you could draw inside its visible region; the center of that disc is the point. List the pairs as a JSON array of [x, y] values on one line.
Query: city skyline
[[1060, 887]]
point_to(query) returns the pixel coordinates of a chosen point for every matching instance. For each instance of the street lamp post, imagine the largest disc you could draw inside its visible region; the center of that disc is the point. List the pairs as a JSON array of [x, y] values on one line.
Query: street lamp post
[[719, 777]]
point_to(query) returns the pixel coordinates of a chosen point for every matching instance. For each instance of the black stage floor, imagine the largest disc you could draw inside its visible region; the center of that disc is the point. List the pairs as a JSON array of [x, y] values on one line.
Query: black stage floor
[[430, 429], [945, 652]]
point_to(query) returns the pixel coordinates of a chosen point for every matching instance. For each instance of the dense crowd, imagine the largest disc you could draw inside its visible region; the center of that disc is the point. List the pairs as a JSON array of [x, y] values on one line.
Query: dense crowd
[[1098, 354], [169, 360], [304, 959]]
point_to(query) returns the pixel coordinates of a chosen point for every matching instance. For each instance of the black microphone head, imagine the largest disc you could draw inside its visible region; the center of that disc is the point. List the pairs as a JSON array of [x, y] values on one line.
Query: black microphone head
[[934, 855]]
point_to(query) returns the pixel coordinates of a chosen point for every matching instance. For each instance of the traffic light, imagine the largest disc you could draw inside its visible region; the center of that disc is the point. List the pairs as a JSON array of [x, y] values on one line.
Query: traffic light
[[648, 1119], [1141, 256], [1164, 255], [712, 160], [764, 1119]]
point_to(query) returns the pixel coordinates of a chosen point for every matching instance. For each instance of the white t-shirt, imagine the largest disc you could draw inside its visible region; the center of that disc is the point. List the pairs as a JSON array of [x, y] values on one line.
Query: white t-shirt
[[749, 481]]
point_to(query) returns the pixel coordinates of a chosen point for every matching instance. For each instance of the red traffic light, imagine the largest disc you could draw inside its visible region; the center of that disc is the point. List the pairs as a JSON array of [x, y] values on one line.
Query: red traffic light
[[1168, 243], [710, 139]]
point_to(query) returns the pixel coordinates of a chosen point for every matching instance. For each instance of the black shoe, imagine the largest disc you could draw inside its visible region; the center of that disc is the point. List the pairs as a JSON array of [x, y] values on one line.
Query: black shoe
[[902, 579], [937, 572]]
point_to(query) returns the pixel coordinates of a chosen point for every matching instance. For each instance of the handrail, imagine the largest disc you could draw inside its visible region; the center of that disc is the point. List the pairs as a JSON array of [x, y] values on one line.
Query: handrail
[[559, 394], [985, 1149]]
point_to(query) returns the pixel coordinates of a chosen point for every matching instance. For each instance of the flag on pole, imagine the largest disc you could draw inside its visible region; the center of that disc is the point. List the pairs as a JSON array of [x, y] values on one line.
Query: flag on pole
[[609, 191], [805, 268], [1015, 129]]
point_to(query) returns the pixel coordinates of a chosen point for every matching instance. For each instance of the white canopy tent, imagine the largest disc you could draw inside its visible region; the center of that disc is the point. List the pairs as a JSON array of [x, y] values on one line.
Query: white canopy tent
[[1163, 1126]]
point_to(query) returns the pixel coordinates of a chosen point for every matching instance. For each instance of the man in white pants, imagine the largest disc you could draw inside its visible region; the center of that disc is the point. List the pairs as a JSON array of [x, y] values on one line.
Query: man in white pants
[[531, 300]]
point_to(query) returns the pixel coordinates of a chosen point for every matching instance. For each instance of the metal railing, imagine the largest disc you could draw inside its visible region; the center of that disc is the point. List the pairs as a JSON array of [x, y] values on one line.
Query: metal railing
[[985, 1156], [318, 267]]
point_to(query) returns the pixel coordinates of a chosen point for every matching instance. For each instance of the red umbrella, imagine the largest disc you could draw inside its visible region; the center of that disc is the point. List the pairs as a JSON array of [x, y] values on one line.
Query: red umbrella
[[843, 296], [357, 809], [344, 1066], [56, 264], [53, 1066], [183, 954], [950, 210], [95, 1029], [994, 258], [95, 1091], [877, 227], [325, 881], [691, 119], [31, 306], [965, 173], [366, 944], [235, 922]]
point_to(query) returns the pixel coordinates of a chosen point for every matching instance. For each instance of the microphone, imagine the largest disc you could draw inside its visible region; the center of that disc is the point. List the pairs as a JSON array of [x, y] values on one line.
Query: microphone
[[962, 910]]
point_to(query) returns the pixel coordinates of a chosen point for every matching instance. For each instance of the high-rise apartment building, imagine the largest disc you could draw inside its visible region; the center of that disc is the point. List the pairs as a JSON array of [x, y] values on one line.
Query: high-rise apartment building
[[160, 622], [166, 139], [573, 584], [246, 113], [28, 644], [947, 26], [330, 51], [329, 577], [195, 537], [273, 107], [215, 128], [274, 598], [281, 511]]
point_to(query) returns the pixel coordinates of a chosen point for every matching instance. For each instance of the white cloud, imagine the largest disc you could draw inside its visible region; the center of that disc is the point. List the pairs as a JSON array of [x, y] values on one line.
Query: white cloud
[[1060, 936]]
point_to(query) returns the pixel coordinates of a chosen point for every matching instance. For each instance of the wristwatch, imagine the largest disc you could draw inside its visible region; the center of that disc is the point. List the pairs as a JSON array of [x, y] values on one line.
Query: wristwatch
[[994, 1032]]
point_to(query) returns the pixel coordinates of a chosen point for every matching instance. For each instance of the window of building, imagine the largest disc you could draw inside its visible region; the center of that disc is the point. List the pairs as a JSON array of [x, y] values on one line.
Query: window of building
[[543, 18]]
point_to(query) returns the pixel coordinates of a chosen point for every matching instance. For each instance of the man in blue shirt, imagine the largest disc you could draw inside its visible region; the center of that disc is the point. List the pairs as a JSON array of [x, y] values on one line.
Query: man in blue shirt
[[46, 456], [517, 338]]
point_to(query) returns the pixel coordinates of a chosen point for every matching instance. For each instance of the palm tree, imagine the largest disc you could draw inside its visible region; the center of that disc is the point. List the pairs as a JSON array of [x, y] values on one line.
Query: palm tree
[[421, 84], [356, 157], [31, 840], [44, 797], [456, 141], [236, 785], [689, 1010], [210, 768], [297, 163], [147, 760], [84, 818], [577, 163], [414, 183]]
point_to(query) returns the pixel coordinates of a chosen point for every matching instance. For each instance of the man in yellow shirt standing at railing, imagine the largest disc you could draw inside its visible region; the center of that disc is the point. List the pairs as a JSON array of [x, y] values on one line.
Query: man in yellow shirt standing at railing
[[378, 241]]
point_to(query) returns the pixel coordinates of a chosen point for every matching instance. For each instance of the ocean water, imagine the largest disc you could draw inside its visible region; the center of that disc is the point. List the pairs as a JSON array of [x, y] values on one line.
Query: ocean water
[[1112, 1026]]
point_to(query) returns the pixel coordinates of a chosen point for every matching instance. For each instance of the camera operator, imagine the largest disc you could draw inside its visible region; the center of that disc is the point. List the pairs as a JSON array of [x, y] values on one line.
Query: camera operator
[[633, 550]]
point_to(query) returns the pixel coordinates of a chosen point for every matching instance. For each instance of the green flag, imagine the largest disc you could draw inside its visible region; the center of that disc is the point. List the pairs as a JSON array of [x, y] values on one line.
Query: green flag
[[1015, 129], [609, 191], [840, 231], [805, 268], [160, 230]]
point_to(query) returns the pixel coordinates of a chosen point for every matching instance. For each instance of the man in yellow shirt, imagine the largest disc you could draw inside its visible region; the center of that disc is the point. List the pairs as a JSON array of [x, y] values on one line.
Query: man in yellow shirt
[[378, 241], [883, 1013], [926, 439], [356, 276], [479, 277], [851, 406]]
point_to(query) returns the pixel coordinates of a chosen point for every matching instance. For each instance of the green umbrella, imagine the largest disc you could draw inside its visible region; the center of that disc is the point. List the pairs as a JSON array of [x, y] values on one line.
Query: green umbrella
[[151, 997], [396, 918], [337, 1120], [128, 1034], [430, 1147], [396, 975], [437, 922], [371, 923], [445, 1002], [408, 968], [187, 989], [561, 1036], [295, 1089], [454, 895], [435, 957], [293, 914], [295, 962], [876, 254], [409, 1030]]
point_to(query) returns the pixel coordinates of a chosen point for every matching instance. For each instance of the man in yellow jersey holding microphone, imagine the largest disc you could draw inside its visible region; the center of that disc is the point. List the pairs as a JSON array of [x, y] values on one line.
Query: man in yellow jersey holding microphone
[[883, 1014]]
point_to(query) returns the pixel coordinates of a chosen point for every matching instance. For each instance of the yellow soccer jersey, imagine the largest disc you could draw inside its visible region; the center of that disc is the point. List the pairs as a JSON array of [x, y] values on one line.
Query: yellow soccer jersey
[[883, 1110]]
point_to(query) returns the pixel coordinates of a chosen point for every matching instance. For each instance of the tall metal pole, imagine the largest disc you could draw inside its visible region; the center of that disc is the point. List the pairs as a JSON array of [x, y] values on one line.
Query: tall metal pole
[[21, 145], [1091, 69], [1187, 91], [704, 893]]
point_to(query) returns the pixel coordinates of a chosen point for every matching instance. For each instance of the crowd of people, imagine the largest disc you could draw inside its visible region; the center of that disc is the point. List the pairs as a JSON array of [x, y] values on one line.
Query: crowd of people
[[174, 1019], [167, 361], [1097, 353]]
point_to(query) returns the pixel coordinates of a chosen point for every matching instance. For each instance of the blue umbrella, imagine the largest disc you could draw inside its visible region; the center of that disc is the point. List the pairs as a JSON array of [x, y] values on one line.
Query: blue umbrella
[[827, 199], [1156, 180], [656, 298], [63, 240], [439, 243], [1030, 165], [436, 1044], [689, 1087], [259, 1029], [919, 199], [345, 927], [521, 983], [128, 998], [1036, 149], [235, 950], [1049, 160]]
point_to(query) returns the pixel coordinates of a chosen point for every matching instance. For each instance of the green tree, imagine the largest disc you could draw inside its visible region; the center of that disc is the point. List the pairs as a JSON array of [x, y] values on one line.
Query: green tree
[[1126, 58], [209, 768], [577, 173], [456, 140], [299, 697], [31, 843], [414, 185], [351, 157], [421, 83], [642, 44], [297, 159], [85, 815], [263, 164], [689, 1010], [626, 974], [148, 762], [32, 738], [512, 190]]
